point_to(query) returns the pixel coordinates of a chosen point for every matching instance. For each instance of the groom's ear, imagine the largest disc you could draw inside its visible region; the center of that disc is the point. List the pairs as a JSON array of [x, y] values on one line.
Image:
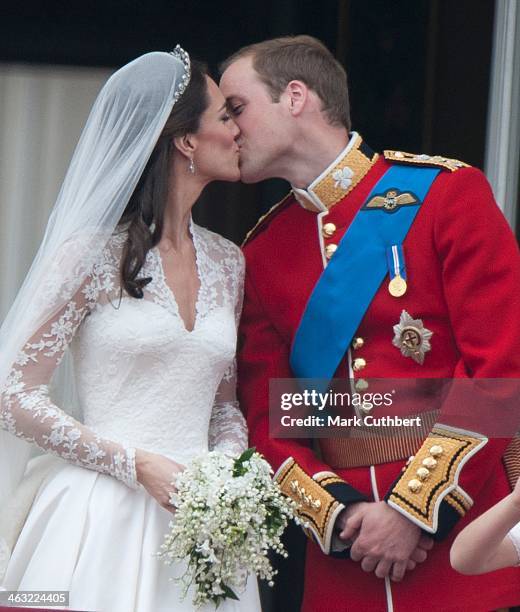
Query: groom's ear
[[297, 94], [186, 144]]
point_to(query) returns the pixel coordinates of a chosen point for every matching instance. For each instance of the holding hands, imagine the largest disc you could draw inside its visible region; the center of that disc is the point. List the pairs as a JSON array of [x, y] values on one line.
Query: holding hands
[[384, 541]]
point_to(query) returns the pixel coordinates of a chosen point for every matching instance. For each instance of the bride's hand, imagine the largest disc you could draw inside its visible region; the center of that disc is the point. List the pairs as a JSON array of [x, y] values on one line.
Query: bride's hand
[[156, 473]]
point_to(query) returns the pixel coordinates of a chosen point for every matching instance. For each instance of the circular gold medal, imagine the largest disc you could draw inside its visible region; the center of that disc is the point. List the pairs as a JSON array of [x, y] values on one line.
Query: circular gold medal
[[397, 286]]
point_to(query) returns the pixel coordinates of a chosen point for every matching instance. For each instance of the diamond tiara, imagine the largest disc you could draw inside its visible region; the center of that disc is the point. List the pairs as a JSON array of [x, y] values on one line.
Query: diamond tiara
[[179, 53]]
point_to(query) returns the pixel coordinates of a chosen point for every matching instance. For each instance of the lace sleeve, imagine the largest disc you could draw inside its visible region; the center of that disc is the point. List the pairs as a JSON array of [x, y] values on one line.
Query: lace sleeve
[[228, 429], [26, 409]]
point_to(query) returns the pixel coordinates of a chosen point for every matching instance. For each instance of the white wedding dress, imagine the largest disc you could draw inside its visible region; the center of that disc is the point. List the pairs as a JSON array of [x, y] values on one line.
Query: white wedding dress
[[143, 381], [514, 536]]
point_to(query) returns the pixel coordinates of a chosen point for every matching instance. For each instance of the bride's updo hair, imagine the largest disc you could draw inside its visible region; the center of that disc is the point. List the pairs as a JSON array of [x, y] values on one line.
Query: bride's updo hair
[[144, 214]]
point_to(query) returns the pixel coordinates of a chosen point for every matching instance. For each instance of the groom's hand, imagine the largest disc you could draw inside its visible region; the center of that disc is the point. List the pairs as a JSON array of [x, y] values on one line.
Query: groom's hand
[[385, 542], [349, 521]]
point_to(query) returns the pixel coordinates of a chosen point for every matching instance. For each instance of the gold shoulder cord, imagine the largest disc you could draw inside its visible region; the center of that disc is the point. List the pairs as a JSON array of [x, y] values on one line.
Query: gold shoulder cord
[[264, 218], [436, 161]]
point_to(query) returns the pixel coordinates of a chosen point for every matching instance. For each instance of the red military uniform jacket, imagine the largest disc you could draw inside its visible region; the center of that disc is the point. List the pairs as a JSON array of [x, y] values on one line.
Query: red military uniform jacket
[[463, 270]]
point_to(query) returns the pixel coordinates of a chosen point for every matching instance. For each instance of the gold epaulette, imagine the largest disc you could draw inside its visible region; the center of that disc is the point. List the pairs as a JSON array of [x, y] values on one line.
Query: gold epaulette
[[432, 476], [264, 219], [435, 161], [317, 508]]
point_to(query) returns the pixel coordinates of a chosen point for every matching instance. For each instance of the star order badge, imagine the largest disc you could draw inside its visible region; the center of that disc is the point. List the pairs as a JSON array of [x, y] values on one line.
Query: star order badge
[[412, 338]]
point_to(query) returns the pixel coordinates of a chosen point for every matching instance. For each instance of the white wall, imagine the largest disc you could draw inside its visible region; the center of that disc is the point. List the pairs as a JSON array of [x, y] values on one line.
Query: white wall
[[503, 129], [42, 113]]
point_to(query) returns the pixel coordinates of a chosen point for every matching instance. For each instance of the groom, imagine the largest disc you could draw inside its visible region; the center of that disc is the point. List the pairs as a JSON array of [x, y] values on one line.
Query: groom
[[424, 285]]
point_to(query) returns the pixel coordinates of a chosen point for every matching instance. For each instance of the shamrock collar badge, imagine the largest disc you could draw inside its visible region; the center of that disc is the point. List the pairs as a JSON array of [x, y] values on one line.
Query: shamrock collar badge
[[343, 177]]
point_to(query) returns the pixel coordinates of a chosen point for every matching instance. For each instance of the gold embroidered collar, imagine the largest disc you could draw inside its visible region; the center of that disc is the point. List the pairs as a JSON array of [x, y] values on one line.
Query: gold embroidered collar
[[338, 179]]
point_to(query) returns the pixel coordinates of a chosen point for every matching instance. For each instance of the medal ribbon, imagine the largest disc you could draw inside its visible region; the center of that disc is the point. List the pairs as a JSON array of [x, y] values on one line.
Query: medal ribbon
[[395, 261]]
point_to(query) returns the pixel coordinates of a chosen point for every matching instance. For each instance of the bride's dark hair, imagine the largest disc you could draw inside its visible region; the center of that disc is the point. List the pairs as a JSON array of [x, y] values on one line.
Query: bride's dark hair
[[143, 216]]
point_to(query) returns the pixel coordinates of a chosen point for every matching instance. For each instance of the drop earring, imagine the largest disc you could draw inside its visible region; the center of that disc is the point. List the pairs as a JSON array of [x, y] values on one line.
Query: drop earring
[[191, 166]]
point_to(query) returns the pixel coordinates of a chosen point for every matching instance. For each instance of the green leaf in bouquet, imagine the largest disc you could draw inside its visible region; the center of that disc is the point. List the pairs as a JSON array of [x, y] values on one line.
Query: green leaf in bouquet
[[238, 467], [229, 593]]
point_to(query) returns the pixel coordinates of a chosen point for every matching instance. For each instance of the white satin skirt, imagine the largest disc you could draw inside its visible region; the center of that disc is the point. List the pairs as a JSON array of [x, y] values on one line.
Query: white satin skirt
[[91, 535]]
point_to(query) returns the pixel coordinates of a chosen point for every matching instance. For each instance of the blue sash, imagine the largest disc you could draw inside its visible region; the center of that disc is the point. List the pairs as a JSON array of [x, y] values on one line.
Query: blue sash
[[348, 284]]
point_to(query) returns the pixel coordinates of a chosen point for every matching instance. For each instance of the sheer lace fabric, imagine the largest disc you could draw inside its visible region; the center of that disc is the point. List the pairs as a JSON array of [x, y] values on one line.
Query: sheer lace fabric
[[143, 380]]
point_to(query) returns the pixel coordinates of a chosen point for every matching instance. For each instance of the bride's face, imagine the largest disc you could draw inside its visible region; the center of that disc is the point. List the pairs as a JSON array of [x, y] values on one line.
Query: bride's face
[[216, 153]]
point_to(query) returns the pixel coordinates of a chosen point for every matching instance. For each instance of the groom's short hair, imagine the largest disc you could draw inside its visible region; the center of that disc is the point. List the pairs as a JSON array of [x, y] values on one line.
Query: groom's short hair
[[304, 58]]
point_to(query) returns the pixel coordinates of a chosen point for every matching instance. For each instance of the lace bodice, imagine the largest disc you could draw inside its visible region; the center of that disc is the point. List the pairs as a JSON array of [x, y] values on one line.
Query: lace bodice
[[143, 380]]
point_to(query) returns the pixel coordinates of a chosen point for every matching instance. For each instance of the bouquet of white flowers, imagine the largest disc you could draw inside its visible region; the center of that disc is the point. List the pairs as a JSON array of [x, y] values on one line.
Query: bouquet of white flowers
[[229, 514]]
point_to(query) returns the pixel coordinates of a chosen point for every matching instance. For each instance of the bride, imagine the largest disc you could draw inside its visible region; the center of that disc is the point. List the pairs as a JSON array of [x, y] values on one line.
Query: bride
[[147, 304]]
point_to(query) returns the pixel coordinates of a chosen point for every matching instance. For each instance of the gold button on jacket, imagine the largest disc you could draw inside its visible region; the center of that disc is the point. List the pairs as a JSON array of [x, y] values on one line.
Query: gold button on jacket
[[361, 384], [358, 343], [330, 249], [359, 364], [329, 229]]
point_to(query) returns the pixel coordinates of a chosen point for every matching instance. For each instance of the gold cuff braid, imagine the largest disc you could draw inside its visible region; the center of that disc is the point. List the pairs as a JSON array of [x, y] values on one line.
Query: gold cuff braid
[[432, 476], [317, 508]]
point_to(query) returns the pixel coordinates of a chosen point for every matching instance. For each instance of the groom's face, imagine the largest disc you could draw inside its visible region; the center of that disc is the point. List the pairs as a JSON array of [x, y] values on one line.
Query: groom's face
[[262, 122]]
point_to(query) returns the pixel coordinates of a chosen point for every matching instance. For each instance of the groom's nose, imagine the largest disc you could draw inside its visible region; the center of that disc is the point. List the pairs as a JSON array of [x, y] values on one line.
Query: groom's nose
[[236, 130]]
